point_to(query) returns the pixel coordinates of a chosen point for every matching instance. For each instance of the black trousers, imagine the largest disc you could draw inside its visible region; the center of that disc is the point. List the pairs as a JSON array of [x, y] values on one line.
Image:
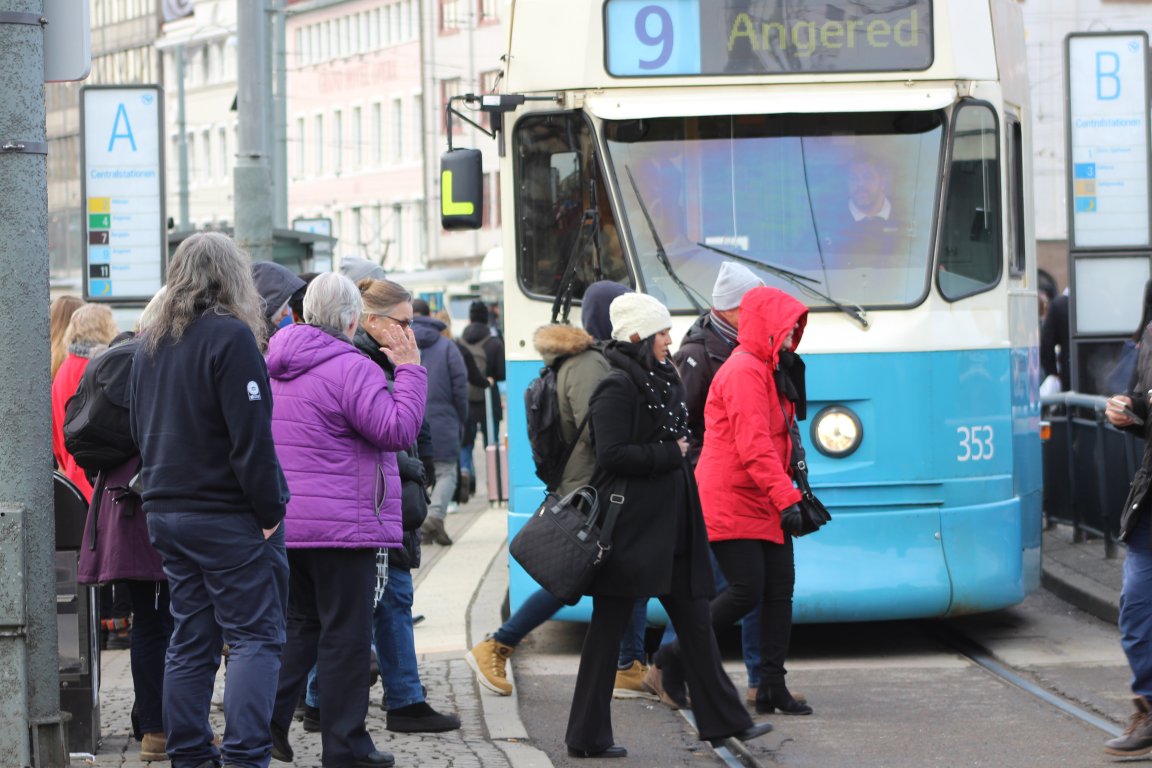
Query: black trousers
[[715, 703], [330, 606], [758, 571]]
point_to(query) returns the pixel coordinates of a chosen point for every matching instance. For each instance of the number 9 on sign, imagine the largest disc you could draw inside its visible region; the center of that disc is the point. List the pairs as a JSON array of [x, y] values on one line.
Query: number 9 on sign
[[643, 37]]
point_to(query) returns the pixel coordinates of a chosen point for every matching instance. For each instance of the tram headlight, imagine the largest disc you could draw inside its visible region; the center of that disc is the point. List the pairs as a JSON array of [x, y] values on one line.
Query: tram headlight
[[836, 431]]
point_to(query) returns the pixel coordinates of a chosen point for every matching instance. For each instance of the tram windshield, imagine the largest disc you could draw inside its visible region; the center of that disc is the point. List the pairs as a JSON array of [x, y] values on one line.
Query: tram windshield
[[843, 202]]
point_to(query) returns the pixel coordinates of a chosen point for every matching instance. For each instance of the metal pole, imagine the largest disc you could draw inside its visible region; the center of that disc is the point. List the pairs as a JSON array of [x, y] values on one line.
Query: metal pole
[[181, 141], [253, 176], [279, 116], [427, 140], [31, 731]]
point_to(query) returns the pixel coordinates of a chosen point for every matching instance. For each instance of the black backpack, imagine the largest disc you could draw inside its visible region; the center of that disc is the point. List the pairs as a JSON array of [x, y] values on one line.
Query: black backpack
[[550, 452], [97, 431]]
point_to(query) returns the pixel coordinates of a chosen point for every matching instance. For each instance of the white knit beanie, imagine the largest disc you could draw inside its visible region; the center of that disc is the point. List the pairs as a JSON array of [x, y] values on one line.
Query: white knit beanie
[[637, 313], [732, 283]]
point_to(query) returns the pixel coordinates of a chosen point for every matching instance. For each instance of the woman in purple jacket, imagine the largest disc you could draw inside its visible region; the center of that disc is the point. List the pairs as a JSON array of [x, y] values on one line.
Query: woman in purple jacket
[[337, 427]]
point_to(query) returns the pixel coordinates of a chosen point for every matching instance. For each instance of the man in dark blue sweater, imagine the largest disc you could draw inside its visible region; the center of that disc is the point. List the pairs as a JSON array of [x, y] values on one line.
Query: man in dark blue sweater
[[201, 412]]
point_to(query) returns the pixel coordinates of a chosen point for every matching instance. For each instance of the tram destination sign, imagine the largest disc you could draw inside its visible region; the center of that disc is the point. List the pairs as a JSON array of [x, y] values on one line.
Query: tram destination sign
[[659, 38], [122, 187], [1108, 166]]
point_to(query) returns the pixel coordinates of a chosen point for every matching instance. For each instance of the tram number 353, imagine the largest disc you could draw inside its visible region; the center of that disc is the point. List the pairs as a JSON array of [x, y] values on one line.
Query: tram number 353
[[975, 443]]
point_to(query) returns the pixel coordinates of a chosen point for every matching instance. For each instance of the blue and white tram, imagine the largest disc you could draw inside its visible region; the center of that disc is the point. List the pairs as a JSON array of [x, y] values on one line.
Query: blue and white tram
[[682, 133]]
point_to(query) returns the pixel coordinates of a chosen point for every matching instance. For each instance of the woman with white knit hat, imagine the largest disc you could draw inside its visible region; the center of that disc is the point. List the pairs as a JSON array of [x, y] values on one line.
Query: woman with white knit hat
[[659, 546]]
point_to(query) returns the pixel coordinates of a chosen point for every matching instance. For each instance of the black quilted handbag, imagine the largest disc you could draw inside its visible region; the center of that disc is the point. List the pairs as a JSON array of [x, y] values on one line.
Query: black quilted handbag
[[808, 515], [561, 547]]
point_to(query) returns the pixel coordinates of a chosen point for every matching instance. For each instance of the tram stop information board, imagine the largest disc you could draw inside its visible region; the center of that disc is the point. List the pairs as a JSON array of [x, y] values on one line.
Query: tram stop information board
[[1108, 140], [122, 183]]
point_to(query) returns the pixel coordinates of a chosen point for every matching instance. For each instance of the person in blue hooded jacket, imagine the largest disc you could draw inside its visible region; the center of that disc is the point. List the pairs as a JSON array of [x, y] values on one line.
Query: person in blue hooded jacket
[[447, 412]]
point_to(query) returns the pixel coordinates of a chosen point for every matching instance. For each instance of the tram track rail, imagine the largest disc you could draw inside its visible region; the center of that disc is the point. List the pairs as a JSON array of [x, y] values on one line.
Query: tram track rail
[[980, 657], [731, 752]]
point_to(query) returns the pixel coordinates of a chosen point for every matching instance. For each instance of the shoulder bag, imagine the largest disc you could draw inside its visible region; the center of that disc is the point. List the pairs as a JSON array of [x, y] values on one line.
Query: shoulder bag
[[807, 515], [561, 547]]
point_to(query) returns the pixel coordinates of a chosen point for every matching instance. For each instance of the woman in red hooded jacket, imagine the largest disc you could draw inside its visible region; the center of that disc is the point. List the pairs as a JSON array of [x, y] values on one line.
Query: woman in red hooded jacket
[[744, 477]]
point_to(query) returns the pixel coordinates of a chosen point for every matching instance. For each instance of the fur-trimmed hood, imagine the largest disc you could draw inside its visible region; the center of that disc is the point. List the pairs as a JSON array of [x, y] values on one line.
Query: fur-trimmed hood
[[556, 341]]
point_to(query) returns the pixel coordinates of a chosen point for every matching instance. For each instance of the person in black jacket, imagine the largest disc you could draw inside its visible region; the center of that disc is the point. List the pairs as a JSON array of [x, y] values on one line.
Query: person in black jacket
[[1136, 531], [487, 349], [385, 303], [659, 546], [214, 494], [1055, 346]]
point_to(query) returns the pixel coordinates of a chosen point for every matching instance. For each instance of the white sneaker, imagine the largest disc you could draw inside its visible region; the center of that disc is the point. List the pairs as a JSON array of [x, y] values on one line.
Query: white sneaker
[[452, 508]]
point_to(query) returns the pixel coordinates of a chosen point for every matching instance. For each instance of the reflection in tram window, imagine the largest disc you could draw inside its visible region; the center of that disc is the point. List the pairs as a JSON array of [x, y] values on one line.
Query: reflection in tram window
[[845, 200]]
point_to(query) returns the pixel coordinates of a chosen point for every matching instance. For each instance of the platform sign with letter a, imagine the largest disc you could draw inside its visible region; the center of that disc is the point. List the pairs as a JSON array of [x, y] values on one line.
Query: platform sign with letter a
[[122, 185]]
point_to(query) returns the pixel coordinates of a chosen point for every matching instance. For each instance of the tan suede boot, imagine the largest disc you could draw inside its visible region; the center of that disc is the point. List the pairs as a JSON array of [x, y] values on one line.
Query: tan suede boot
[[489, 661]]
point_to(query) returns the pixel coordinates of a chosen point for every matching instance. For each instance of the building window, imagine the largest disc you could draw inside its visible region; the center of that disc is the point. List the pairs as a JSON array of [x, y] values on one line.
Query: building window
[[299, 146], [397, 130], [448, 89], [318, 141], [337, 141], [451, 15], [398, 232], [406, 20], [222, 146], [357, 147], [488, 10], [377, 134], [489, 81], [417, 123]]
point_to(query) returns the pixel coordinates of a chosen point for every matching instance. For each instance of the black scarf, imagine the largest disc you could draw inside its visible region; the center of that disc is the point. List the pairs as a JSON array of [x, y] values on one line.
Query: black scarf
[[658, 383], [790, 382]]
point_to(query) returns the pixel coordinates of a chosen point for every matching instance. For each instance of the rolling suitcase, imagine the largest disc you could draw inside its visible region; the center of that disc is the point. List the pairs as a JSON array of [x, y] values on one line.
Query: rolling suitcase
[[497, 466]]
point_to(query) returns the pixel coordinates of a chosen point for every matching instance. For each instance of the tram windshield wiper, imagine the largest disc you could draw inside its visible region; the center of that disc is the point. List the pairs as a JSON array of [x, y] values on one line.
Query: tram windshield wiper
[[661, 254], [802, 282]]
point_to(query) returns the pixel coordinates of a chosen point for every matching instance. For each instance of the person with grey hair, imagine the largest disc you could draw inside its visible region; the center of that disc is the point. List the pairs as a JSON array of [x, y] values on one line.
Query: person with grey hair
[[337, 425], [214, 497]]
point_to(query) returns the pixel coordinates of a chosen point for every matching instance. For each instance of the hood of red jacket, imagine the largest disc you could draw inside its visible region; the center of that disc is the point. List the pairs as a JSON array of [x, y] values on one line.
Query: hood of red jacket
[[766, 317]]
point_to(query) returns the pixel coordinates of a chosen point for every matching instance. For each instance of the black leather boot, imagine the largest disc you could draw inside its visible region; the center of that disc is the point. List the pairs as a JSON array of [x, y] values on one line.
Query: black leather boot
[[770, 698]]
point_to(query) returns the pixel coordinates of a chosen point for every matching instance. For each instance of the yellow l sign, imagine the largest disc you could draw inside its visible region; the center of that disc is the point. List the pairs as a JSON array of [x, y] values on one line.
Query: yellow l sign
[[448, 206]]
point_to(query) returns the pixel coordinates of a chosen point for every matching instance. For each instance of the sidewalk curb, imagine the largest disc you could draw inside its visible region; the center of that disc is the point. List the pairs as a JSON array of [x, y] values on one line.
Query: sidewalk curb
[[1082, 592], [501, 713]]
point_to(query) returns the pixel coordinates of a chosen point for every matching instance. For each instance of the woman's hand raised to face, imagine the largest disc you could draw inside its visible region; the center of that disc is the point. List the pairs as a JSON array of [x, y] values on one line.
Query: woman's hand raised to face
[[399, 345]]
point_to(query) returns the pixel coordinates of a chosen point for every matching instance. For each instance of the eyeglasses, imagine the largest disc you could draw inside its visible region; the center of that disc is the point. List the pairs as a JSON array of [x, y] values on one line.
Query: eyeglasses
[[405, 324]]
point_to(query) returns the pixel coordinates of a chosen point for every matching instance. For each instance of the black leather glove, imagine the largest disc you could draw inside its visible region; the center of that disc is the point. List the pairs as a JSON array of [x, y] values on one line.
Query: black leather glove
[[790, 519], [429, 471], [411, 469]]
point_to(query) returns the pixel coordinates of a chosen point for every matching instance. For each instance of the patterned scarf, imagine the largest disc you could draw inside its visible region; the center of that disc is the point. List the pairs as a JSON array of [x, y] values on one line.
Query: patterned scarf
[[658, 382]]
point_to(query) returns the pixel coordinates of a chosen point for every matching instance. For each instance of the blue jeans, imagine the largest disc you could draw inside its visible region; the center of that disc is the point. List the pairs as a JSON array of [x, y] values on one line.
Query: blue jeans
[[228, 585], [541, 605], [395, 646], [749, 630], [1136, 608]]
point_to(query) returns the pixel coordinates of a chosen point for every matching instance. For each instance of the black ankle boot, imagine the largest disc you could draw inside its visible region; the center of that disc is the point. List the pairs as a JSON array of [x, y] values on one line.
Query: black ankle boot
[[770, 698]]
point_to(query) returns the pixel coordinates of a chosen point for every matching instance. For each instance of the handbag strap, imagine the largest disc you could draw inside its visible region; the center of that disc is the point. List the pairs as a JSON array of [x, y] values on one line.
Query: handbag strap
[[572, 447], [615, 502]]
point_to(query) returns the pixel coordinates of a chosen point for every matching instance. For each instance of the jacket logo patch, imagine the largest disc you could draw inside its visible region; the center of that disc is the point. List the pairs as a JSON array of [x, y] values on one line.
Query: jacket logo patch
[[692, 361], [253, 391]]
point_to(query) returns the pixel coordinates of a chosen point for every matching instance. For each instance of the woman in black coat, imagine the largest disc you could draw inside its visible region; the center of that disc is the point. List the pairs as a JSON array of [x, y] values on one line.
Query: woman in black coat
[[659, 546]]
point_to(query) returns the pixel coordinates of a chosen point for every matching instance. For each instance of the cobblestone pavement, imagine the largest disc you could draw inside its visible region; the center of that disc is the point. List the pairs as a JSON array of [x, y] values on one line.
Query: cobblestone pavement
[[478, 530], [450, 688]]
